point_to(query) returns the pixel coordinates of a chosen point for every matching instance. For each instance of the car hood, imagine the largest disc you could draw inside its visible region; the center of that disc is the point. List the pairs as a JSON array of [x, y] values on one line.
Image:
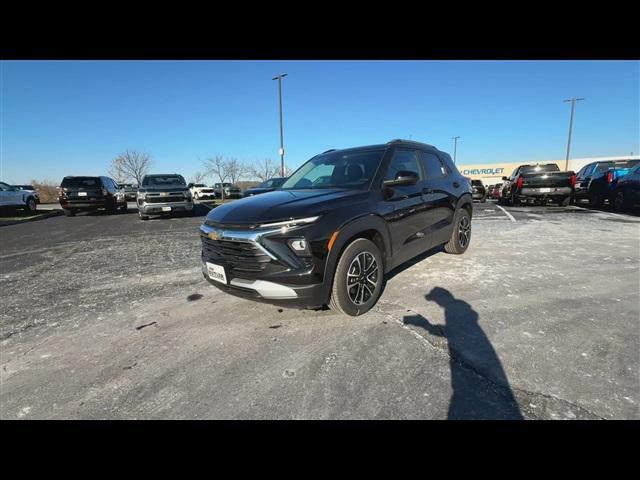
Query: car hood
[[284, 205], [259, 190]]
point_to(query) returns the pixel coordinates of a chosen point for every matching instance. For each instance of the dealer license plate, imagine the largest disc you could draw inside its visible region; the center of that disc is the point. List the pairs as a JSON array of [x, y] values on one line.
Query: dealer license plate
[[166, 209], [545, 190], [216, 272]]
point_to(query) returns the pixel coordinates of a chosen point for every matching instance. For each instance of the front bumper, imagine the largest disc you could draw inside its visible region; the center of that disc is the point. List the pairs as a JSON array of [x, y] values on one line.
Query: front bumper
[[151, 208], [253, 271], [478, 195]]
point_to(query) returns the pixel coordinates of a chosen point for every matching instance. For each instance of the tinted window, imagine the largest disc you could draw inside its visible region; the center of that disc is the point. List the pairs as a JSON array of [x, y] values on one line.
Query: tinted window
[[4, 186], [477, 183], [403, 160], [163, 180], [336, 170], [82, 182], [552, 167], [433, 166], [604, 166]]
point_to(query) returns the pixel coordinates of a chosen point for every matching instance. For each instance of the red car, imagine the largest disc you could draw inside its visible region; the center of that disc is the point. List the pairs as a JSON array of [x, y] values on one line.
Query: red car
[[496, 192]]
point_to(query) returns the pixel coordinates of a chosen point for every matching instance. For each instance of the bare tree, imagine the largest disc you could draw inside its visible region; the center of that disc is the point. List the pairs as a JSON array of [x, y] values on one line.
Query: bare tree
[[264, 170], [198, 177], [219, 168], [130, 164], [236, 170]]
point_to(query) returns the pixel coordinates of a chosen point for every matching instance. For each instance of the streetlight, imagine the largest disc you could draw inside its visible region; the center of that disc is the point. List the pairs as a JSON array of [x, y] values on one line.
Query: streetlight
[[455, 148], [279, 78], [573, 101]]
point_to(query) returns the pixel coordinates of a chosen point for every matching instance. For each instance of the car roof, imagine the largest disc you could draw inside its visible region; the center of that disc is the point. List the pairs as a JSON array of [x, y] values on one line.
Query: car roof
[[383, 146]]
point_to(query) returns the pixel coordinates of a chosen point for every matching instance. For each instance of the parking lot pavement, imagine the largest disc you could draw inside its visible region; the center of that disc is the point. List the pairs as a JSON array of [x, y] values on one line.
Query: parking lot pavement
[[107, 316]]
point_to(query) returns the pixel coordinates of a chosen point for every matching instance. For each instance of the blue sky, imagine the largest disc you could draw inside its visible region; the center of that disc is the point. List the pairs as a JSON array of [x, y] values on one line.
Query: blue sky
[[72, 117]]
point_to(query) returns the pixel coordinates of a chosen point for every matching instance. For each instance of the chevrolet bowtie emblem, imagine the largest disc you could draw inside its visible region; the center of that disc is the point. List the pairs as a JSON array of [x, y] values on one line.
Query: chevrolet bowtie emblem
[[214, 235]]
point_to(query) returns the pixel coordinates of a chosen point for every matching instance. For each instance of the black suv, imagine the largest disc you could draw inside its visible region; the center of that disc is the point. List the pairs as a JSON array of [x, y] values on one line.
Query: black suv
[[90, 193], [337, 225]]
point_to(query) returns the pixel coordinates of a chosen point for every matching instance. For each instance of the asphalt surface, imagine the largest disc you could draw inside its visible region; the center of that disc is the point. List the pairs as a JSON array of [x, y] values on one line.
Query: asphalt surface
[[108, 317]]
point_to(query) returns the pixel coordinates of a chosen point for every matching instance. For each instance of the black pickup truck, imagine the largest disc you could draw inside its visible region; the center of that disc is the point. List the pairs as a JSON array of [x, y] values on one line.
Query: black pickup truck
[[538, 184]]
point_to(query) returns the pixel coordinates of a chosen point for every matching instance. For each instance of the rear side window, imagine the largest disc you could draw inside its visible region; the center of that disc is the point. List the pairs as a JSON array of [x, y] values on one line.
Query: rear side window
[[82, 182], [477, 183], [403, 160], [433, 166]]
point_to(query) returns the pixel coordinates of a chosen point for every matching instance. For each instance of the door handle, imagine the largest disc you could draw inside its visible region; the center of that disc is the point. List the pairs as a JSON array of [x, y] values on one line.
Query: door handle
[[427, 190], [456, 184]]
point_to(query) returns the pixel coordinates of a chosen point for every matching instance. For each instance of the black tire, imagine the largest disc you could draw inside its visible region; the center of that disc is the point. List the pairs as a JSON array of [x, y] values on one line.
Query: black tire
[[461, 234], [619, 202], [31, 206], [594, 200], [69, 213], [360, 251]]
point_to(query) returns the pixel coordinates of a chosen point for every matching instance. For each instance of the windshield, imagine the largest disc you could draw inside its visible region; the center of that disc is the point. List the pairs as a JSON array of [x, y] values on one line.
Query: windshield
[[272, 183], [163, 180], [336, 170]]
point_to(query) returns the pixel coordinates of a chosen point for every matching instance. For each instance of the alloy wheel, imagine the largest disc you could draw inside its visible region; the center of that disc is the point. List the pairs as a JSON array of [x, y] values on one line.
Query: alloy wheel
[[464, 231], [362, 278]]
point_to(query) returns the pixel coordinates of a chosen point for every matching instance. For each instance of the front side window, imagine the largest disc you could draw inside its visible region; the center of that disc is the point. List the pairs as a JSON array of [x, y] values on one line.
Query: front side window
[[336, 170], [403, 160]]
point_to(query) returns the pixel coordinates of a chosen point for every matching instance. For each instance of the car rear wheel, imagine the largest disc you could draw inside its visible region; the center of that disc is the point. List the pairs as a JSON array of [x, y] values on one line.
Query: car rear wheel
[[619, 201], [461, 235], [357, 283]]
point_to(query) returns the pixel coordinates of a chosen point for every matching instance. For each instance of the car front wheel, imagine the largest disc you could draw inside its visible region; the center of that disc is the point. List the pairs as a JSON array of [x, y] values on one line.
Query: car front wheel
[[31, 206], [357, 283]]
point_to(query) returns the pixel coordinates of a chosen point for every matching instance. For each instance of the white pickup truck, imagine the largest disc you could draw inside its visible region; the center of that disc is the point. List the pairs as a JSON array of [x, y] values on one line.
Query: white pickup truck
[[199, 191], [15, 198]]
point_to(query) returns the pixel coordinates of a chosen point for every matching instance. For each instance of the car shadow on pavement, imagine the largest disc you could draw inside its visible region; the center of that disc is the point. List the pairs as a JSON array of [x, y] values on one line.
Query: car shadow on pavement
[[480, 386]]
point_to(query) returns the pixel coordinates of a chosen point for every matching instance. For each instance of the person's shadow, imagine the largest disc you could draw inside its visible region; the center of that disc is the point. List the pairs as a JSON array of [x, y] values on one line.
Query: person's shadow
[[471, 357]]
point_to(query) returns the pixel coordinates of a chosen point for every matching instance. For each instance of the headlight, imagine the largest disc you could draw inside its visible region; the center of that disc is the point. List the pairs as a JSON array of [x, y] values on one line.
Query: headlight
[[286, 224]]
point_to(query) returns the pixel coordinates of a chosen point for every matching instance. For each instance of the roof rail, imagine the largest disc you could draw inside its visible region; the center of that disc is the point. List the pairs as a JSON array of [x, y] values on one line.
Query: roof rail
[[330, 150], [402, 140]]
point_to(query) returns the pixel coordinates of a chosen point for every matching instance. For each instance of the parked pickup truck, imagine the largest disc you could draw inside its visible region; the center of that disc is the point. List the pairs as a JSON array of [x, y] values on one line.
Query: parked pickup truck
[[164, 194], [597, 181], [538, 184]]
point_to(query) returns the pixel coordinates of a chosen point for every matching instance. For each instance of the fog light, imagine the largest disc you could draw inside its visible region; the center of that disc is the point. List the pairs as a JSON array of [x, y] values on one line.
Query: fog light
[[300, 246]]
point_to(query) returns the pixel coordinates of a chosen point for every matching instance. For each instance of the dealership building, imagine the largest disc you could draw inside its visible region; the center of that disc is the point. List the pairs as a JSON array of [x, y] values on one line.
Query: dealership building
[[492, 173]]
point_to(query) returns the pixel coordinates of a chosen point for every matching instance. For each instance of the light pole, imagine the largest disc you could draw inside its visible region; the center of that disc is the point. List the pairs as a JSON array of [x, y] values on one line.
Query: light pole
[[279, 78], [573, 101], [455, 148]]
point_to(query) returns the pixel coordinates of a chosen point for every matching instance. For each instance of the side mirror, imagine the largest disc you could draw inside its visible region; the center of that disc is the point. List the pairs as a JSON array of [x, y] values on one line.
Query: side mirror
[[403, 177], [504, 179]]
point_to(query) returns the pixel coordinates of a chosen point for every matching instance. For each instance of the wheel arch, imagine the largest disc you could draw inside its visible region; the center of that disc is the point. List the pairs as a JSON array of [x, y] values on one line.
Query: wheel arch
[[372, 227]]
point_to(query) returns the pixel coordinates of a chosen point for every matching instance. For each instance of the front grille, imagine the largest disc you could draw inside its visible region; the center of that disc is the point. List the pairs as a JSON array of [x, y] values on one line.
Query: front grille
[[238, 256], [167, 199]]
